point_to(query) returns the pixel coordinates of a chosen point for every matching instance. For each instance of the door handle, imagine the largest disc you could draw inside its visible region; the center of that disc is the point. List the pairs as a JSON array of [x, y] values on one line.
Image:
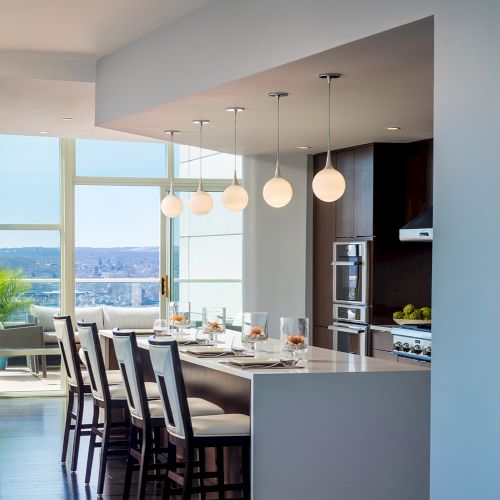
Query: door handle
[[346, 329], [164, 286]]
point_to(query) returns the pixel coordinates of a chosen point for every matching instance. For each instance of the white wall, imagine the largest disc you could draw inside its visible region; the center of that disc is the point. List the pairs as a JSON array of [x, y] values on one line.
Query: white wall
[[465, 418], [276, 248]]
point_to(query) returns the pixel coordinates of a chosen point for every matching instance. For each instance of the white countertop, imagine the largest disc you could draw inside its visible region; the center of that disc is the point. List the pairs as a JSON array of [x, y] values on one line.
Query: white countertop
[[316, 360]]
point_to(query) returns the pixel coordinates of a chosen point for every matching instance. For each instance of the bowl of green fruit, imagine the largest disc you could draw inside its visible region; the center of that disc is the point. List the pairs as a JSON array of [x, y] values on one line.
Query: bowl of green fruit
[[411, 315]]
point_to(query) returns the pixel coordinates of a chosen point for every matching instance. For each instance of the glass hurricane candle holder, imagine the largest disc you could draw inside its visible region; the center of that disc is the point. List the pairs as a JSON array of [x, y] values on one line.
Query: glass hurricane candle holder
[[179, 315], [295, 335], [254, 328], [160, 327], [213, 321]]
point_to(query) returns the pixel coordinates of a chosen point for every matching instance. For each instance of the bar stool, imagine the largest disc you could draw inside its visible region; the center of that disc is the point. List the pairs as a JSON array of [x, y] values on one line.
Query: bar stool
[[196, 433], [146, 416], [78, 386]]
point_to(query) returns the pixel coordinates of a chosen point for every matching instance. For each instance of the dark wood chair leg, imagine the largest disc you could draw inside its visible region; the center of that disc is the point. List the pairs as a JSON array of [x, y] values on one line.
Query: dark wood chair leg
[[219, 460], [130, 464], [171, 461], [93, 437], [143, 467], [201, 459], [67, 426], [78, 431], [106, 431], [245, 470], [188, 474]]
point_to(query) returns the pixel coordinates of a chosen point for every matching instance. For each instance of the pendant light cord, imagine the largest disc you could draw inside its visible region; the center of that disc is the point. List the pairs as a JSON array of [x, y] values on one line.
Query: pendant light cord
[[235, 180], [200, 185], [171, 173], [329, 111], [277, 171]]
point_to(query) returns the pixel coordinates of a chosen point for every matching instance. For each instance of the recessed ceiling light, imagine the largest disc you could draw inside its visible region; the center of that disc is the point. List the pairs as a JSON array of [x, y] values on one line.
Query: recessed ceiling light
[[43, 132], [303, 147], [66, 118], [392, 129]]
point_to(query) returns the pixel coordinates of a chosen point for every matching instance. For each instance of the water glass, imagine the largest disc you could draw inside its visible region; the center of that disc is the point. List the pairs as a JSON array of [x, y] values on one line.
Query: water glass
[[202, 337], [254, 328], [295, 335], [160, 327]]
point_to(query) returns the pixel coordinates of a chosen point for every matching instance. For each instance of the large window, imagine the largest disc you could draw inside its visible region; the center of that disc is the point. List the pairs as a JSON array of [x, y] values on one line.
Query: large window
[[207, 262], [117, 245], [120, 242], [29, 179], [30, 259]]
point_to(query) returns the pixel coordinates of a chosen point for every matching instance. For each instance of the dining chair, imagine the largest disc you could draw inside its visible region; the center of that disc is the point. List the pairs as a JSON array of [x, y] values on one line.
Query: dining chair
[[78, 387], [111, 399], [193, 434], [146, 416]]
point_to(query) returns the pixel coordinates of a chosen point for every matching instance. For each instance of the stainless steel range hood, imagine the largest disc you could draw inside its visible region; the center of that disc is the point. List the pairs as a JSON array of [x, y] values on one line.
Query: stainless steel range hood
[[419, 228]]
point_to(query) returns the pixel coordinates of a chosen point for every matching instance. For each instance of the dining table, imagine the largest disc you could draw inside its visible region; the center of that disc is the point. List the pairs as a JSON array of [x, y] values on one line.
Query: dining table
[[336, 425]]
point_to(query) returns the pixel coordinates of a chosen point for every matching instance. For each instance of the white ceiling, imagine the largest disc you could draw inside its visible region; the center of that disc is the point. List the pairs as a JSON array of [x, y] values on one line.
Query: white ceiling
[[28, 107], [388, 81], [91, 28]]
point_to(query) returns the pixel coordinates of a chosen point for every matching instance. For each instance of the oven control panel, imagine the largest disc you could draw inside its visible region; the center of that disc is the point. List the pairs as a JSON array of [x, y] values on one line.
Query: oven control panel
[[411, 346]]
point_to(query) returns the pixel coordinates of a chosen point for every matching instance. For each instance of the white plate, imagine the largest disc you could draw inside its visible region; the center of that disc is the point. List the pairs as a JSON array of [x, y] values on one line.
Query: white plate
[[422, 322]]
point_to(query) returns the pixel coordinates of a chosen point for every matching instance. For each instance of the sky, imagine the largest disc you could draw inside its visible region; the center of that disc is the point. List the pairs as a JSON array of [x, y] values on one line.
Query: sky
[[105, 216]]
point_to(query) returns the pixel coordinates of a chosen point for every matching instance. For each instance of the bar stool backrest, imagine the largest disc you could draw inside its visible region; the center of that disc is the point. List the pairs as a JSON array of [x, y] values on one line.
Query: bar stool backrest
[[129, 361], [67, 343], [91, 347], [168, 372]]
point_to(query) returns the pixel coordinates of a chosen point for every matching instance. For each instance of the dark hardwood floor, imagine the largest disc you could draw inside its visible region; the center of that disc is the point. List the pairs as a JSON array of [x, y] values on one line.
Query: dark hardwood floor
[[30, 449]]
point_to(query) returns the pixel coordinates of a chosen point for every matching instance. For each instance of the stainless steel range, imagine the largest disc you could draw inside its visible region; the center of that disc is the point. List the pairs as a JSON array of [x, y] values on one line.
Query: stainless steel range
[[412, 341]]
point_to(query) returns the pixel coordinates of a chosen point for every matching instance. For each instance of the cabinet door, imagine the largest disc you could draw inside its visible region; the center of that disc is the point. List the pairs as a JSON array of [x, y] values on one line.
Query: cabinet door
[[363, 191], [344, 218], [322, 337]]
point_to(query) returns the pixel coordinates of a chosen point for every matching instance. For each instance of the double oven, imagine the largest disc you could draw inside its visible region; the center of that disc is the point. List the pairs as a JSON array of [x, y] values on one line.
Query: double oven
[[351, 296]]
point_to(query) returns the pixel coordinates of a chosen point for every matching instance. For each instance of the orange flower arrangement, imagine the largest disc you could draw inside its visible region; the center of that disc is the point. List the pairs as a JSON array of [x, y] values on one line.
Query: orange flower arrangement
[[256, 331], [296, 339], [177, 317], [214, 326]]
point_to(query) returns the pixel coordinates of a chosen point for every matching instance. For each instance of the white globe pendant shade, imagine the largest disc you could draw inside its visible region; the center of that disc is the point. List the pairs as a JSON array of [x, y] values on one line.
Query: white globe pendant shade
[[328, 184], [201, 202], [171, 205], [235, 198], [277, 192]]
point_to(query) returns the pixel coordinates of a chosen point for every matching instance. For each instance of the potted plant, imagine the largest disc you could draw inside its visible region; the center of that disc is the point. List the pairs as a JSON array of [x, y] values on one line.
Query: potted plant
[[12, 300]]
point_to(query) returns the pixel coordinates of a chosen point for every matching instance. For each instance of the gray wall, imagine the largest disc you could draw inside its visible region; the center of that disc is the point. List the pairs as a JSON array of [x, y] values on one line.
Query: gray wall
[[276, 248], [466, 370]]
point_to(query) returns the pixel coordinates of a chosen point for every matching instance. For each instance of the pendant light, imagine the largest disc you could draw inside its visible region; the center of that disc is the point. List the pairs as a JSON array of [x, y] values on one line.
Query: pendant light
[[235, 196], [201, 202], [277, 191], [329, 184], [171, 205]]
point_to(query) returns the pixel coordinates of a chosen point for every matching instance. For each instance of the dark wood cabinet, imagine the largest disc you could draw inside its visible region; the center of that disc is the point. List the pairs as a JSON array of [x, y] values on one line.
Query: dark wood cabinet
[[322, 337], [354, 211], [363, 192], [344, 213], [386, 186]]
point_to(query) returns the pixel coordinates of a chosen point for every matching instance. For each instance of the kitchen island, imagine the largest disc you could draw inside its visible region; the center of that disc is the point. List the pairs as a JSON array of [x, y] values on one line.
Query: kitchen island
[[343, 426]]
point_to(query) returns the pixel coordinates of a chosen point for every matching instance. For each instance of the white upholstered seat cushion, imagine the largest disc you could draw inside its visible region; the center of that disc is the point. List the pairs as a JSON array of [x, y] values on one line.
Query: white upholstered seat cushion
[[114, 377], [229, 424], [119, 391], [197, 406]]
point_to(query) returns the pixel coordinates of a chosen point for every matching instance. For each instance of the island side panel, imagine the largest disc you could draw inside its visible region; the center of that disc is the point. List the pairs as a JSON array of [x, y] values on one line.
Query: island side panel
[[350, 436]]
